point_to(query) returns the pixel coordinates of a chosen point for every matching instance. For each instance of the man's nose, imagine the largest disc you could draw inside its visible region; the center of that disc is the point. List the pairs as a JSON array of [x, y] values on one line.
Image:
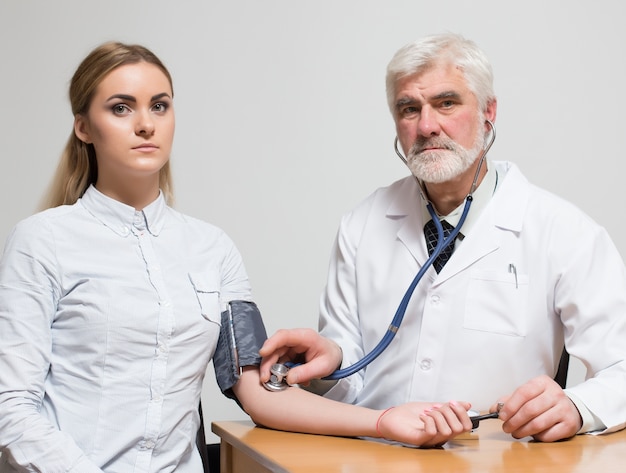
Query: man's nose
[[428, 124]]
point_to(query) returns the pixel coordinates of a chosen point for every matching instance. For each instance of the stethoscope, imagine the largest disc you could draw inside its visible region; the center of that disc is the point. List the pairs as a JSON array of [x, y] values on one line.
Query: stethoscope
[[277, 381]]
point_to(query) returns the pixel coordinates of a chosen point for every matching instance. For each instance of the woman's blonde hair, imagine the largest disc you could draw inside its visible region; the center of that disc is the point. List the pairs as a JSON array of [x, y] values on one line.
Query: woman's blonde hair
[[78, 168]]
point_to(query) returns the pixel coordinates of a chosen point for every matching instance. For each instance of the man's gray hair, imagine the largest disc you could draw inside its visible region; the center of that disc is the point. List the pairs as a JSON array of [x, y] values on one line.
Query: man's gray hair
[[445, 48]]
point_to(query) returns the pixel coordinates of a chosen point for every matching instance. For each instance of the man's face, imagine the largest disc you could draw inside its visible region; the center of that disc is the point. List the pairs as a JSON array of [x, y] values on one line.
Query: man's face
[[439, 123]]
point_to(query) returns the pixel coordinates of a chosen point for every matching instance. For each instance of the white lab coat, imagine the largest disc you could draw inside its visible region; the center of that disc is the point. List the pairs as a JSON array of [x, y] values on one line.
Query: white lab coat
[[533, 272]]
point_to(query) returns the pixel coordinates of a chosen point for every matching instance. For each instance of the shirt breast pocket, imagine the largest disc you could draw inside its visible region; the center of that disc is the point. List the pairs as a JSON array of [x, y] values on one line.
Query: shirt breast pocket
[[207, 289], [497, 302]]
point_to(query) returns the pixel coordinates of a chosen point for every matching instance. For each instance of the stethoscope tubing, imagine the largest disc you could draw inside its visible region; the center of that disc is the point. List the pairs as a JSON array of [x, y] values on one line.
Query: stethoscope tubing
[[442, 243]]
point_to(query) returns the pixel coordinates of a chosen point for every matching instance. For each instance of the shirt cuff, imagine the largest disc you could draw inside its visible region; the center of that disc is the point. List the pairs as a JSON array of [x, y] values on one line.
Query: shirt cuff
[[590, 422]]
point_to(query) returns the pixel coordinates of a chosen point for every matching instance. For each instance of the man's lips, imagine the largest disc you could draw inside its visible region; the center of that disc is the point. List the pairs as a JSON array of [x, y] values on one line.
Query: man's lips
[[430, 148]]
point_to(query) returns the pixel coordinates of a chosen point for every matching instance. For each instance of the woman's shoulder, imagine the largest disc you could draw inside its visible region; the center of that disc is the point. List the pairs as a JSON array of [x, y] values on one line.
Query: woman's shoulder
[[197, 228], [192, 221], [45, 218], [38, 230]]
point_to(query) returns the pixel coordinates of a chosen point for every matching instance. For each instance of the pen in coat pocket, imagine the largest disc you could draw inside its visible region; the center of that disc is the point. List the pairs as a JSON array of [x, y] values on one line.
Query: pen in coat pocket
[[513, 269]]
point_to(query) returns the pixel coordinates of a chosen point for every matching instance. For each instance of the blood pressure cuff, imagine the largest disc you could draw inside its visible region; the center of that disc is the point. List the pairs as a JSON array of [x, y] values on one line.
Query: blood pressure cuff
[[241, 336]]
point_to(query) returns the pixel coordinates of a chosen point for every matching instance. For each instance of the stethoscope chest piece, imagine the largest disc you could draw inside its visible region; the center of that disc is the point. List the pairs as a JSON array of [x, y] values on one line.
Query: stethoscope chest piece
[[278, 378]]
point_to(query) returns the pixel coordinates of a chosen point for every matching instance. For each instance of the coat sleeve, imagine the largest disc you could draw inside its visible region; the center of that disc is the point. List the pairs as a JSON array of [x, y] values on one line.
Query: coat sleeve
[[591, 299], [338, 319]]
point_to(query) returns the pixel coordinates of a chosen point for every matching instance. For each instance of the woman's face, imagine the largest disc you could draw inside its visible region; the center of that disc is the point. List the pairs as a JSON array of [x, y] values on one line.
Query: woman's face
[[130, 123]]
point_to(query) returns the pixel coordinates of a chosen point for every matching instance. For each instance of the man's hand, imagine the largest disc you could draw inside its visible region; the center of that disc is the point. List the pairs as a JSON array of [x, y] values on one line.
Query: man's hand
[[541, 409], [319, 356]]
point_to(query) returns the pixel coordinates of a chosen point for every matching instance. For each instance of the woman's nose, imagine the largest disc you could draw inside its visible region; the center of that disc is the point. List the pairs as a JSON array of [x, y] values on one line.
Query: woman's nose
[[144, 125]]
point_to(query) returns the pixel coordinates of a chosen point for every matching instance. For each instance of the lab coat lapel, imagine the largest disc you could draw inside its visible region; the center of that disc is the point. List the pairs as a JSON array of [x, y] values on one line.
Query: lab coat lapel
[[483, 239], [505, 211], [407, 206]]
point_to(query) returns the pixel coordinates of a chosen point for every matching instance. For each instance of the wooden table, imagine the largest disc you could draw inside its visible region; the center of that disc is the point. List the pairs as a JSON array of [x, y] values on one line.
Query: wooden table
[[249, 449]]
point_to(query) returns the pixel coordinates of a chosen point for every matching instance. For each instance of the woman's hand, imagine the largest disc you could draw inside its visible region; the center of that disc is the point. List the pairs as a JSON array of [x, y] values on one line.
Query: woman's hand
[[425, 424]]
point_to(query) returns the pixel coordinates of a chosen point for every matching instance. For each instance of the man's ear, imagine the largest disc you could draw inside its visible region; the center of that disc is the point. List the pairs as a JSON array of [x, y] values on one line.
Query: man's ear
[[81, 128], [491, 109]]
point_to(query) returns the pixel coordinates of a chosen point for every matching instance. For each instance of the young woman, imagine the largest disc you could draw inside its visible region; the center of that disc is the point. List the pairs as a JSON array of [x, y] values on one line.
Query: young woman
[[112, 304]]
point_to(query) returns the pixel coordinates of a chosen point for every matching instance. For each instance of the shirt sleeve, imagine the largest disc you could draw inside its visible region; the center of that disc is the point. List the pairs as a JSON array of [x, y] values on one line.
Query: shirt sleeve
[[242, 331], [28, 295]]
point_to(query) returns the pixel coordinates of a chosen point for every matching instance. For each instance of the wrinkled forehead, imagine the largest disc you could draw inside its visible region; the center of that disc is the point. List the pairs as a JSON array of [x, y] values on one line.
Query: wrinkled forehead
[[443, 65], [433, 78]]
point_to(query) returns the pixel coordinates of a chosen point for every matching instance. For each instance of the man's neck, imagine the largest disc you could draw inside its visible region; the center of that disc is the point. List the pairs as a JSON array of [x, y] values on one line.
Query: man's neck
[[447, 196]]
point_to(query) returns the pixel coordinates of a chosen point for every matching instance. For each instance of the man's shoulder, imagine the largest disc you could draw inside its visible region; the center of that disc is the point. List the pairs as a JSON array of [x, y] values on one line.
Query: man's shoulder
[[395, 199], [390, 192]]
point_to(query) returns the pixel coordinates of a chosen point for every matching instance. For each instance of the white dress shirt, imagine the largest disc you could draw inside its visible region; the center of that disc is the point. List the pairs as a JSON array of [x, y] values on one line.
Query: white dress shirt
[[108, 318]]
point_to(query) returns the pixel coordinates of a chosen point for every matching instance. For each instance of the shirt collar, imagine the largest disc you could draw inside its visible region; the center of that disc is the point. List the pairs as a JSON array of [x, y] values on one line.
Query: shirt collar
[[122, 218], [481, 197]]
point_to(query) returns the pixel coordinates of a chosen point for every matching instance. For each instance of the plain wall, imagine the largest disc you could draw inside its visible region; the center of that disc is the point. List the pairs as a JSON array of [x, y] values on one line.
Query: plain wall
[[282, 122]]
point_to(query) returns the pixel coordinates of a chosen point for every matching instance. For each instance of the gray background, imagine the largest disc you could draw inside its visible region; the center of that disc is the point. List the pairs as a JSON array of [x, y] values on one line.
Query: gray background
[[282, 123]]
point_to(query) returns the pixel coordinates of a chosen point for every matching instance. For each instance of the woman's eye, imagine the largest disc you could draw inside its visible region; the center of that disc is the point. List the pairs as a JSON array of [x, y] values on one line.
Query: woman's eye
[[160, 107], [120, 109]]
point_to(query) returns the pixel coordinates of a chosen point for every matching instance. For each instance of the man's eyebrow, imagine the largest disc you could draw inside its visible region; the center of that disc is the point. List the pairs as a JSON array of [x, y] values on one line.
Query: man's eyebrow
[[402, 101], [448, 94]]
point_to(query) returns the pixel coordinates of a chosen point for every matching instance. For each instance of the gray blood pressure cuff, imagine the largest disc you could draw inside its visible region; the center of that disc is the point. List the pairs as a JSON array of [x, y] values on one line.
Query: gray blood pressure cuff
[[241, 336]]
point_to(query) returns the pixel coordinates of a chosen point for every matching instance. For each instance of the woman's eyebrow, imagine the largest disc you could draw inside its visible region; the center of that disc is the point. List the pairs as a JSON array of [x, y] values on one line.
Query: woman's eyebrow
[[127, 98], [130, 98], [161, 95]]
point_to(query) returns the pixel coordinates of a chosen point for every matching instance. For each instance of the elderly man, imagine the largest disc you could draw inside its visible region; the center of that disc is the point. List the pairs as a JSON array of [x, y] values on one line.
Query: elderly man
[[527, 275]]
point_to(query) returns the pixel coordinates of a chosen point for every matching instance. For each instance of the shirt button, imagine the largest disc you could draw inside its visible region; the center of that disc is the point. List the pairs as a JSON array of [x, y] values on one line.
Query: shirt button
[[146, 445], [434, 299], [426, 364]]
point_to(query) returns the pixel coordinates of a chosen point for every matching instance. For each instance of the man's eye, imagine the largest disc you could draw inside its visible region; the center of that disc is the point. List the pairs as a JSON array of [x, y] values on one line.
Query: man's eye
[[409, 110]]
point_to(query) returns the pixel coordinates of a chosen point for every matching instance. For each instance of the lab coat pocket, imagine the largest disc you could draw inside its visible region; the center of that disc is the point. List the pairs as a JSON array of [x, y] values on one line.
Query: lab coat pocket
[[207, 288], [497, 302]]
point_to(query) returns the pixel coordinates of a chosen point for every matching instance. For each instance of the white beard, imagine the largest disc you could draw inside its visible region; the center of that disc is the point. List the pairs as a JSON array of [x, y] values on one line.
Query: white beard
[[446, 163]]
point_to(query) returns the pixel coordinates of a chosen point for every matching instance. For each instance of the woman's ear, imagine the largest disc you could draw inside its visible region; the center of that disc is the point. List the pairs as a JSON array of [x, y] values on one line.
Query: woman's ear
[[81, 128]]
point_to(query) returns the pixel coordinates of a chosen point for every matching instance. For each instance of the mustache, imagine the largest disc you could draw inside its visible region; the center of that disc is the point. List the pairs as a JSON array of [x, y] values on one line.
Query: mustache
[[437, 142]]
